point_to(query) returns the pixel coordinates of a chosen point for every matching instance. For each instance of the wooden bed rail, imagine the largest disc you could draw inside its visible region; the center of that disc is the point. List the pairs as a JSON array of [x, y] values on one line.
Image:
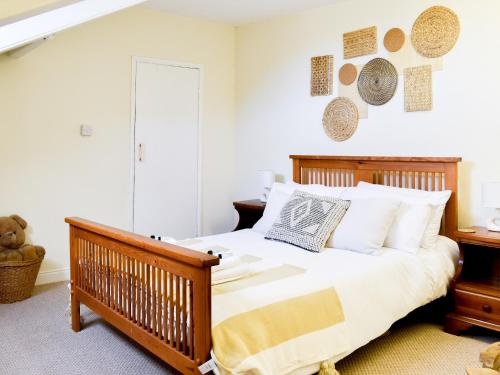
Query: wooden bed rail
[[158, 294]]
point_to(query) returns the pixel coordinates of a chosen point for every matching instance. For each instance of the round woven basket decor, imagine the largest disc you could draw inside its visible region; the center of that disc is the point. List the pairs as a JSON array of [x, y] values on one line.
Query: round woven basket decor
[[394, 39], [377, 81], [347, 74], [340, 119], [435, 31]]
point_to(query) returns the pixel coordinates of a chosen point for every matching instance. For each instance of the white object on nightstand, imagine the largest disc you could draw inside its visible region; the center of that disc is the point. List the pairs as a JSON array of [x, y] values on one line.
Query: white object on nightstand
[[86, 130], [491, 198], [266, 181]]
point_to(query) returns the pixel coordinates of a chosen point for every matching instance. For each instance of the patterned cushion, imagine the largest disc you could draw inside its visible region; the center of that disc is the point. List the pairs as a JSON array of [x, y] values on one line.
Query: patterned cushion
[[307, 220]]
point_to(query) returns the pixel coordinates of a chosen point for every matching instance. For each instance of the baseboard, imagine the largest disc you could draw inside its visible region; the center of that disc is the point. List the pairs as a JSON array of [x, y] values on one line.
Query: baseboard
[[47, 277]]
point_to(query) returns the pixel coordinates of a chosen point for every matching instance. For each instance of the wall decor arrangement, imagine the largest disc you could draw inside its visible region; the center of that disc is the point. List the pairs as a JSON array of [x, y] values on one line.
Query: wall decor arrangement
[[348, 74], [340, 119], [394, 39], [360, 42], [322, 75], [418, 88], [435, 32], [407, 57], [377, 81]]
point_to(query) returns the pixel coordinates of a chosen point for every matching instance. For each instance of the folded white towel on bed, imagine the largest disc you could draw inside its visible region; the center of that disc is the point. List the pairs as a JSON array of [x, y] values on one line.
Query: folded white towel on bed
[[230, 274], [229, 262]]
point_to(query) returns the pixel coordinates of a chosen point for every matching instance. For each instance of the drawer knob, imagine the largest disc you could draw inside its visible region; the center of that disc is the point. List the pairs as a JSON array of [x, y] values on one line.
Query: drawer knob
[[487, 308]]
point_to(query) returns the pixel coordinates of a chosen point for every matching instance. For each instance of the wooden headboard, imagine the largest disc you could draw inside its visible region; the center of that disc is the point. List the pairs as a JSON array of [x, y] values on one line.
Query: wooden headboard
[[423, 173]]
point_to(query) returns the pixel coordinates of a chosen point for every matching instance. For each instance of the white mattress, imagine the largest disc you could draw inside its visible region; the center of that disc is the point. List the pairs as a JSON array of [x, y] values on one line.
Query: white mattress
[[375, 290]]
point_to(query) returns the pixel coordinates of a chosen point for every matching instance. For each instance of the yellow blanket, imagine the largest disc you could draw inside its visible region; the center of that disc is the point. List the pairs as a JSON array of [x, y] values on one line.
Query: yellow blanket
[[276, 321]]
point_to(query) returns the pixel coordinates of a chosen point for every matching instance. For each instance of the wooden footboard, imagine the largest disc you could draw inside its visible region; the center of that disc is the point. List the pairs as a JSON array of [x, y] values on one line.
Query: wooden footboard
[[158, 294]]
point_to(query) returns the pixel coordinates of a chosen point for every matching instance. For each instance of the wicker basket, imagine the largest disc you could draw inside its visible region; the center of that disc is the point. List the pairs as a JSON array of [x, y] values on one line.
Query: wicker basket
[[17, 279]]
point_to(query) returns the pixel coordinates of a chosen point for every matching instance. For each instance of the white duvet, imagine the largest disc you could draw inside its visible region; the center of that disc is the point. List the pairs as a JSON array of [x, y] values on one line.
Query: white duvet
[[375, 290]]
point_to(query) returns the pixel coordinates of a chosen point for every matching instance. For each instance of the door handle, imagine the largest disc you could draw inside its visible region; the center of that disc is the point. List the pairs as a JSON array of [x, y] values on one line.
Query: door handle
[[141, 152]]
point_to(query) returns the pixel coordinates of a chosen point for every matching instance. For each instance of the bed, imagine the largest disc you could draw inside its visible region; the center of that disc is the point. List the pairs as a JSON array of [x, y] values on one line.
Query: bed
[[161, 296]]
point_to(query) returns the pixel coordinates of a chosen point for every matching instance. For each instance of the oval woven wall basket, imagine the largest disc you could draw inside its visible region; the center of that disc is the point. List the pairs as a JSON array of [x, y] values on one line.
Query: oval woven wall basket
[[340, 119], [435, 31], [377, 81]]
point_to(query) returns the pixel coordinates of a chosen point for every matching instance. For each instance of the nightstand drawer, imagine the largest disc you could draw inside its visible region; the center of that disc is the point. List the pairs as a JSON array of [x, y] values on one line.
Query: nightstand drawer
[[478, 305]]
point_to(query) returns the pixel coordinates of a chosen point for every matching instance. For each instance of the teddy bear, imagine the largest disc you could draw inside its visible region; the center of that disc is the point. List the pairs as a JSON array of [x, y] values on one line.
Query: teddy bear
[[12, 237]]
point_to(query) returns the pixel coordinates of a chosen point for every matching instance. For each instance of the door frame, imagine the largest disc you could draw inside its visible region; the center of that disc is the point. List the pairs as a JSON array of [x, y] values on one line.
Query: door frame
[[135, 61]]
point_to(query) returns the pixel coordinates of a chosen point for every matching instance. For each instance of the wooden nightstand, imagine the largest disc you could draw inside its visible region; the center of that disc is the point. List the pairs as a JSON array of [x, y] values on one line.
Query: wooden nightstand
[[476, 284], [250, 212]]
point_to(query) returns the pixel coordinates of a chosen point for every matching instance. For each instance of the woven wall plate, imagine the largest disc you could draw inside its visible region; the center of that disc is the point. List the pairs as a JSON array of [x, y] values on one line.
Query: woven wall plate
[[418, 88], [435, 31], [340, 119], [360, 42], [347, 74], [321, 75], [394, 39], [377, 81]]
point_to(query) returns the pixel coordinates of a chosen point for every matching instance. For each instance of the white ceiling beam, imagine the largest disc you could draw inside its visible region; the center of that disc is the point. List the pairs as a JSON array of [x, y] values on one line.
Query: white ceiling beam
[[35, 27]]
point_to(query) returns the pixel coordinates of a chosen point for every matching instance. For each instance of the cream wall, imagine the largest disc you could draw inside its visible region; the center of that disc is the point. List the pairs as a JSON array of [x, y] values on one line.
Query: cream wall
[[83, 76], [277, 117], [10, 8]]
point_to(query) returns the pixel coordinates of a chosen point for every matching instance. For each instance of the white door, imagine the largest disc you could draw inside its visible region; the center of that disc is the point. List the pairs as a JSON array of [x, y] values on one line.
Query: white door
[[166, 140]]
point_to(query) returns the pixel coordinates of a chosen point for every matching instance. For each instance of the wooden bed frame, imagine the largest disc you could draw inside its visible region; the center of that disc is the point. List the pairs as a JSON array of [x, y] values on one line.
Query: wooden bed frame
[[159, 294]]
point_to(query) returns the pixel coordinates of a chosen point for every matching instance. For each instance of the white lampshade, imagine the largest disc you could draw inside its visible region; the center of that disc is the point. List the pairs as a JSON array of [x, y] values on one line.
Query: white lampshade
[[266, 178], [491, 194]]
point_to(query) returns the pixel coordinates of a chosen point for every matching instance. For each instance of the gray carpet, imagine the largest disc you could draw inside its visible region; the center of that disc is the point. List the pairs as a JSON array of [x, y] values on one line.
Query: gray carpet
[[36, 339]]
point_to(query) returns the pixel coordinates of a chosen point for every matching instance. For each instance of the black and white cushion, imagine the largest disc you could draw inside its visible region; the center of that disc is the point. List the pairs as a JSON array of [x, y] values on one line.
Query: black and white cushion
[[307, 220]]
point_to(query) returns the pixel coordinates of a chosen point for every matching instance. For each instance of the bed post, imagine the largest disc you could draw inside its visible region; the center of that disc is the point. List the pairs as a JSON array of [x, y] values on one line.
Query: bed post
[[297, 175], [451, 212], [202, 316], [75, 303]]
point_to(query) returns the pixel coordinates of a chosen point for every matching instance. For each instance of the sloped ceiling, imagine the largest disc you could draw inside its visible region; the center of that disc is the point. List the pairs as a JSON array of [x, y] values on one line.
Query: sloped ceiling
[[37, 23]]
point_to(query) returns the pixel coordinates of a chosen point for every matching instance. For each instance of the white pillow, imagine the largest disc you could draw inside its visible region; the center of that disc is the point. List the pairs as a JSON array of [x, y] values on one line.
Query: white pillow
[[436, 199], [318, 189], [279, 195], [411, 220], [365, 225], [408, 228]]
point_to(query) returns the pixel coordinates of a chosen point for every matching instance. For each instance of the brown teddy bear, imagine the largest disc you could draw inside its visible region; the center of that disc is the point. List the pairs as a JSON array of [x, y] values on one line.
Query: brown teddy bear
[[12, 237]]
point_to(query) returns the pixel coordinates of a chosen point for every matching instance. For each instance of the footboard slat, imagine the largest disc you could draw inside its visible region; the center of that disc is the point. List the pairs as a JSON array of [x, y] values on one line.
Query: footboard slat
[[165, 305], [171, 308], [177, 313], [184, 316], [190, 327], [156, 293]]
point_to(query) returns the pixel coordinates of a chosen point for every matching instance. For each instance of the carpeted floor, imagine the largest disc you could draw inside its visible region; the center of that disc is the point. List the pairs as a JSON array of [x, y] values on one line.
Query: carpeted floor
[[35, 338]]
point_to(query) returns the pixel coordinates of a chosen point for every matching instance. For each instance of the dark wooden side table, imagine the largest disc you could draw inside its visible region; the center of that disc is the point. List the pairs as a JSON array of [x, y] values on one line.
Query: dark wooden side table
[[476, 284], [250, 212]]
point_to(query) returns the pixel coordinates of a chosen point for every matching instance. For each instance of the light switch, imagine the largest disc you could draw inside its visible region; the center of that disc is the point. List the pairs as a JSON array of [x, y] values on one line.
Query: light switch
[[85, 130]]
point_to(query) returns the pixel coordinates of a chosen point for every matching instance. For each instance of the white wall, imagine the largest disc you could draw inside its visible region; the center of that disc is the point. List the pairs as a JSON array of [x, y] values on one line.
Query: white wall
[[48, 171], [277, 117]]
